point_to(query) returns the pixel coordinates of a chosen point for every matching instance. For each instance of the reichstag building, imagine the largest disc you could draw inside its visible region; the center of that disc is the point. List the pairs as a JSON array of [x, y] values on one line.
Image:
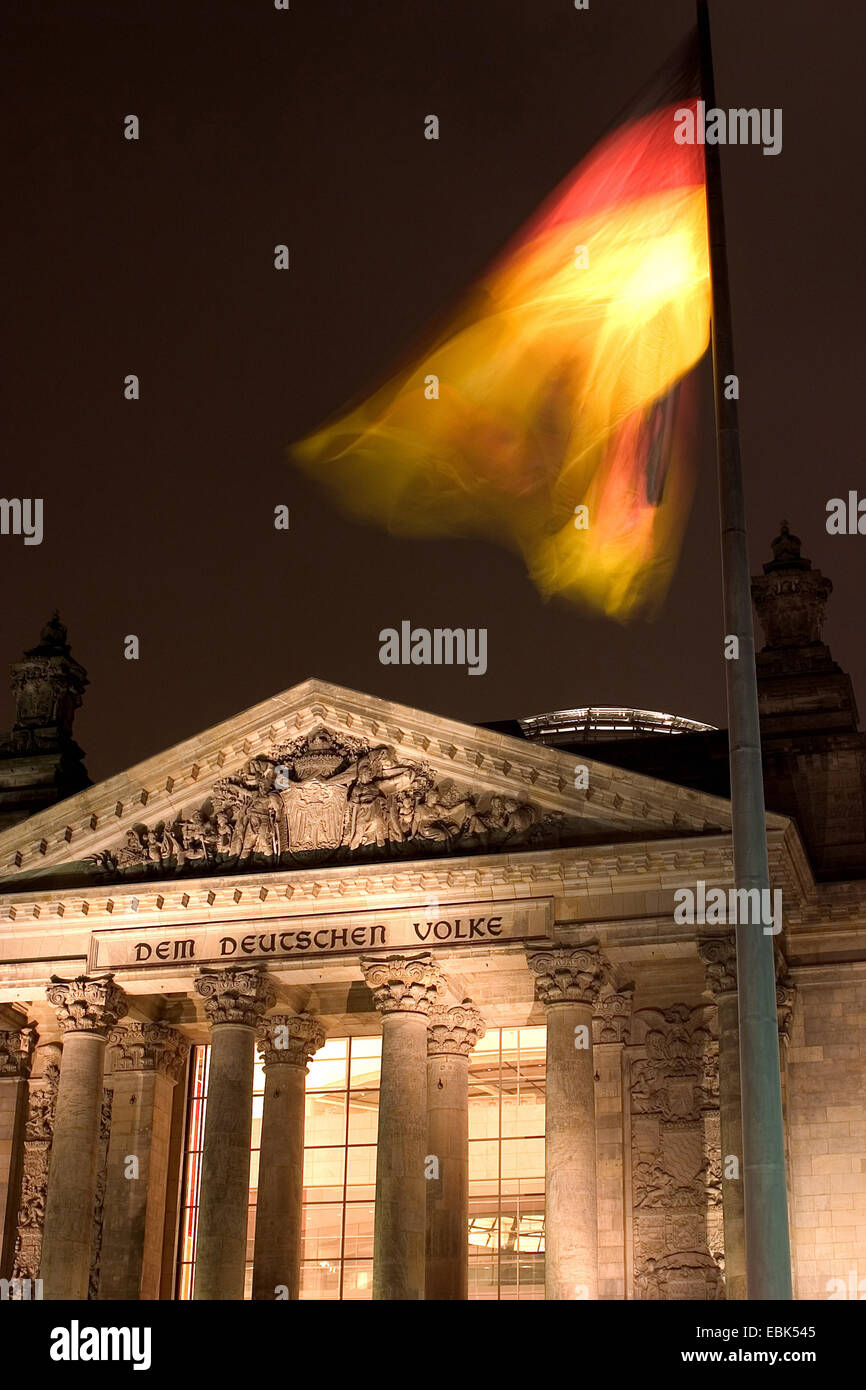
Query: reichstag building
[[345, 1000]]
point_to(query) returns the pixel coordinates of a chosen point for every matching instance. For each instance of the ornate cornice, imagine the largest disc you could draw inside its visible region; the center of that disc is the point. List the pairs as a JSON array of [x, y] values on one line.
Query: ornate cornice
[[660, 865], [719, 954], [149, 1047], [87, 1004], [235, 996], [454, 1031], [289, 1040], [16, 1050], [567, 974], [404, 984]]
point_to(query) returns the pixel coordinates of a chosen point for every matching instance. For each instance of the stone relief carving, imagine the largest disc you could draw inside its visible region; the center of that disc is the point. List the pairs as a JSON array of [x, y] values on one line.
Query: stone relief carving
[[99, 1199], [16, 1051], [327, 795], [676, 1159], [612, 1019], [679, 1074], [38, 1134], [686, 1275]]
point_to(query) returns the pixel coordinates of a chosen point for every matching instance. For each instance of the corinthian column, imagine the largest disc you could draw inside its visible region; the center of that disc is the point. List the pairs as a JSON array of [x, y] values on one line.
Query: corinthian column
[[719, 954], [148, 1060], [234, 1001], [568, 982], [451, 1036], [404, 988], [286, 1043], [87, 1010]]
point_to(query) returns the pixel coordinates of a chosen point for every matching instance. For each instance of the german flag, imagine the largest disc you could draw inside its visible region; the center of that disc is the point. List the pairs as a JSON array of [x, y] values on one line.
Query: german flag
[[547, 413]]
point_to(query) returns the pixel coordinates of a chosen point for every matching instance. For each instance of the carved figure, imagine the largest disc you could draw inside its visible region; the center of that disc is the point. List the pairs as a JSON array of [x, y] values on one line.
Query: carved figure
[[321, 793]]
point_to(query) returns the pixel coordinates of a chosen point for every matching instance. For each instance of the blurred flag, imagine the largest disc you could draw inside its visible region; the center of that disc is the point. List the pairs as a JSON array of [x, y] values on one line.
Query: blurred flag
[[548, 413]]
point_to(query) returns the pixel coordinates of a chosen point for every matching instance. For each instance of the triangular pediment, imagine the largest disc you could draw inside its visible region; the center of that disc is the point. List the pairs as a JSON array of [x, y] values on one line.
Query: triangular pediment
[[325, 775]]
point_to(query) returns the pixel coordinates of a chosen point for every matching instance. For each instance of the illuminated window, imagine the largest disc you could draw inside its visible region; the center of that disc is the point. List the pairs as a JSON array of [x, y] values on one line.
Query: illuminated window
[[506, 1167]]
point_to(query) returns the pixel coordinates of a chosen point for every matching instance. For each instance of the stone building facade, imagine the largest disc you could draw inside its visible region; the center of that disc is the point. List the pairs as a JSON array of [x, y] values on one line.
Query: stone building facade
[[332, 875]]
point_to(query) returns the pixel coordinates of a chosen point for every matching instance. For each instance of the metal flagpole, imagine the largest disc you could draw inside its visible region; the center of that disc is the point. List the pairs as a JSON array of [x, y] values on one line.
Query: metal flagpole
[[768, 1255]]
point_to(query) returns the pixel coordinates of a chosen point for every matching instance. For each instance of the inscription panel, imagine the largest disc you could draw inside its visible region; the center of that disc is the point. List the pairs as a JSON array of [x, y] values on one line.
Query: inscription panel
[[336, 934]]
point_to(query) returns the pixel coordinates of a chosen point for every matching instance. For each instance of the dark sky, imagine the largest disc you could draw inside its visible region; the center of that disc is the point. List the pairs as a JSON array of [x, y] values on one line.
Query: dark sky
[[306, 127]]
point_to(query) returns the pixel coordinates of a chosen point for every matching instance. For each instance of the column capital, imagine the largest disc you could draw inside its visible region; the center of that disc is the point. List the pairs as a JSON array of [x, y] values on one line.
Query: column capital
[[149, 1047], [567, 974], [289, 1039], [87, 1004], [719, 954], [16, 1051], [235, 996], [612, 1019], [404, 984], [454, 1031], [785, 992]]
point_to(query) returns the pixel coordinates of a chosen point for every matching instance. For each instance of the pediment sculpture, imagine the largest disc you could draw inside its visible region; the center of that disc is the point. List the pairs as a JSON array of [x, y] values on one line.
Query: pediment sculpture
[[325, 797]]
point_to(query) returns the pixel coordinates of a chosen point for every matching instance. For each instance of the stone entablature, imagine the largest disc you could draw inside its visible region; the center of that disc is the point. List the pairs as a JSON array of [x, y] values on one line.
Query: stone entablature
[[324, 935], [586, 871]]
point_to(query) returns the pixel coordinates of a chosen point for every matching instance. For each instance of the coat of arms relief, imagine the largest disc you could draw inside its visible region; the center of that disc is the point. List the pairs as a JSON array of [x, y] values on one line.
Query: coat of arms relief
[[323, 797], [676, 1157]]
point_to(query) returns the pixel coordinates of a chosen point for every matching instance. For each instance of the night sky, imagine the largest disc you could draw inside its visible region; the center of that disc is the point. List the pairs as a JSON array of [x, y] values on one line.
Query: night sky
[[260, 127]]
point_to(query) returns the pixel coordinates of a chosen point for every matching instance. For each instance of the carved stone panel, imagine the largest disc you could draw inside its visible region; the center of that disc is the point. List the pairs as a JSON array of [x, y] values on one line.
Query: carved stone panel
[[676, 1160], [38, 1134], [99, 1200]]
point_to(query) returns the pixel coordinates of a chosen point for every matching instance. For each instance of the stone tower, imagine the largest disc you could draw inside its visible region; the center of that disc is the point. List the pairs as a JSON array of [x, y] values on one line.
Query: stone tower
[[40, 762], [800, 686], [814, 757]]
